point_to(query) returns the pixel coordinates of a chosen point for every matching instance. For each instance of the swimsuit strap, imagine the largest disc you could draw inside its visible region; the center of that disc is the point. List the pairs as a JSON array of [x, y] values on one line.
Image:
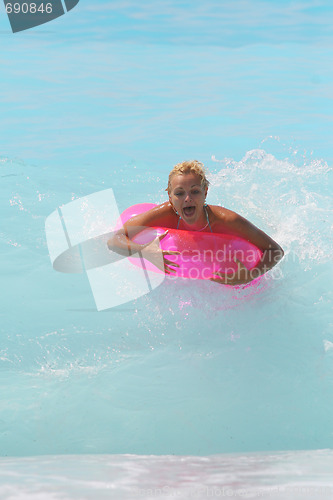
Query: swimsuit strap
[[208, 223], [205, 207]]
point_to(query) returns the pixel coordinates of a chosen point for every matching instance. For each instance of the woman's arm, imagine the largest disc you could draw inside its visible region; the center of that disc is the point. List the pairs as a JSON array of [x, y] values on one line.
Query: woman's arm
[[272, 252], [121, 242]]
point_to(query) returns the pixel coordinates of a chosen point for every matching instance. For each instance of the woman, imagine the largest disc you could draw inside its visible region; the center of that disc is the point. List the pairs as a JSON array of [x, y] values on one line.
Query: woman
[[187, 210]]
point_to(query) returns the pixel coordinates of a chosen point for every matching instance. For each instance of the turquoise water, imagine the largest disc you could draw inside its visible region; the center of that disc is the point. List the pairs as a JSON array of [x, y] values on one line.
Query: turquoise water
[[192, 370], [176, 370]]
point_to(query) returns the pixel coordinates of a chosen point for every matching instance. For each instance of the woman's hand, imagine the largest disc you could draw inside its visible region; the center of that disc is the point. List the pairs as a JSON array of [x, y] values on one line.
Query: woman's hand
[[239, 277], [153, 252]]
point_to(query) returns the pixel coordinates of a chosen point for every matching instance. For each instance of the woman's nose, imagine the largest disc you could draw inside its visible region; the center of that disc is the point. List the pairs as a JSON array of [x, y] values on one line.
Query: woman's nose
[[187, 197]]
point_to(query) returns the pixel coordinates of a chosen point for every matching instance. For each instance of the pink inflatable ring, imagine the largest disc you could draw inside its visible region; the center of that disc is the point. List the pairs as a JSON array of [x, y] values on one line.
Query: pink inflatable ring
[[201, 254]]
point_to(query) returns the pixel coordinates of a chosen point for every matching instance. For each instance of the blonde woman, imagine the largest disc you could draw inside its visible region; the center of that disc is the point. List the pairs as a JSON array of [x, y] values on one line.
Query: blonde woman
[[186, 209]]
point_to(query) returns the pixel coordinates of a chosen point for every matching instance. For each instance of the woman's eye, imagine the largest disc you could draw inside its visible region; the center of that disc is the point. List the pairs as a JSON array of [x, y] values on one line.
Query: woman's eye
[[181, 193]]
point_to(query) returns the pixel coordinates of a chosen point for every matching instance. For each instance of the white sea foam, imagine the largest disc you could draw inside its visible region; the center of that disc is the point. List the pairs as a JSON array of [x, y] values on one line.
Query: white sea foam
[[294, 475]]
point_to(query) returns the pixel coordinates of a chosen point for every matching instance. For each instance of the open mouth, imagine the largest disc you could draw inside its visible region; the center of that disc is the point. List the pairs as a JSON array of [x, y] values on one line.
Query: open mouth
[[188, 211]]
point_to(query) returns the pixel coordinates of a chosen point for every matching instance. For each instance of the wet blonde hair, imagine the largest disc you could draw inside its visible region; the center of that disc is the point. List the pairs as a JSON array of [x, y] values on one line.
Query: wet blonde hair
[[189, 167]]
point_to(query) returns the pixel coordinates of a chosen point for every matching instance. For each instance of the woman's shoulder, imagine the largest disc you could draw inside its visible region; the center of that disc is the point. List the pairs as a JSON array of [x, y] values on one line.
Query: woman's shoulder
[[160, 212], [222, 214], [164, 215], [223, 220], [160, 215]]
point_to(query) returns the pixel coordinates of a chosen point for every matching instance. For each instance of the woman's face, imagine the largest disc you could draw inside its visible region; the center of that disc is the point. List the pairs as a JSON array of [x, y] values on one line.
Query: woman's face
[[188, 196]]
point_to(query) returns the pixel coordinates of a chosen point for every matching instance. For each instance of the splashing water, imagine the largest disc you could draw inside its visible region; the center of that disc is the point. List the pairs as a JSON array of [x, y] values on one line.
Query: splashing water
[[193, 368]]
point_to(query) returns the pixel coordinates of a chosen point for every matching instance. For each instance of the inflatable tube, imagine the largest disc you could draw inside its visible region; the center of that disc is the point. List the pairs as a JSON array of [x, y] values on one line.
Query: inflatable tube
[[201, 254]]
